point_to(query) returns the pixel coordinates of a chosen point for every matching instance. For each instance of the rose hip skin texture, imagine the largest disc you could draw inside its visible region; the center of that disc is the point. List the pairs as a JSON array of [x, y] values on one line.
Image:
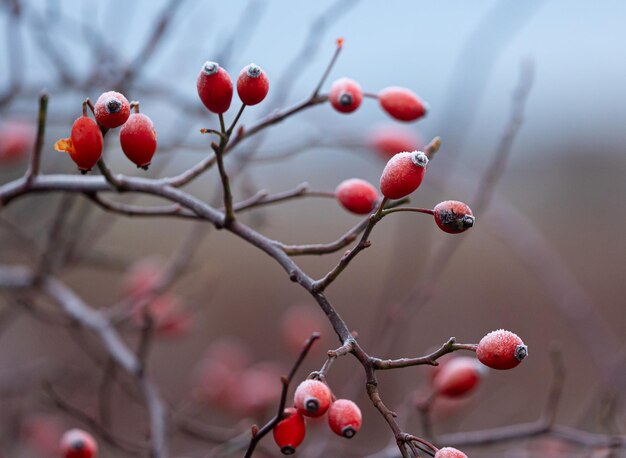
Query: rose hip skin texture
[[312, 398], [215, 87], [388, 141], [77, 443], [357, 196], [344, 418], [289, 432], [401, 103], [345, 95], [458, 377], [252, 85], [403, 174], [449, 452], [453, 216], [138, 139], [501, 350], [112, 109], [84, 145]]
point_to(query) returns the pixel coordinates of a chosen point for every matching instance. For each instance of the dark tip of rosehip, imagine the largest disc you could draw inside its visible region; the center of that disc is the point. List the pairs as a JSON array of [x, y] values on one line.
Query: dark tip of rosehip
[[144, 167], [419, 159], [345, 99], [288, 450], [348, 432], [521, 352], [113, 105], [78, 445], [312, 405], [254, 71], [83, 172], [210, 68], [468, 221]]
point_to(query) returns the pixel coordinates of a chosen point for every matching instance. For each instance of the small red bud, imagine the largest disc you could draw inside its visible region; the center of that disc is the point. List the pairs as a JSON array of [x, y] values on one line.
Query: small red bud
[[501, 350]]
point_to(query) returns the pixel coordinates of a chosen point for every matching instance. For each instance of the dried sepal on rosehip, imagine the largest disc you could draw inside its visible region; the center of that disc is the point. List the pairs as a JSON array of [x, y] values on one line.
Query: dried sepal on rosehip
[[453, 216], [458, 377], [215, 87], [138, 139], [344, 418], [252, 85], [357, 196], [402, 104], [312, 398], [345, 95], [449, 452], [501, 350], [403, 174], [290, 431], [77, 443], [112, 109], [84, 144]]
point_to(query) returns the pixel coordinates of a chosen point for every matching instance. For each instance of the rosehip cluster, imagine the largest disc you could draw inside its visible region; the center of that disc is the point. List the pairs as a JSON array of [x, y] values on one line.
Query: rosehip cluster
[[313, 399], [77, 443]]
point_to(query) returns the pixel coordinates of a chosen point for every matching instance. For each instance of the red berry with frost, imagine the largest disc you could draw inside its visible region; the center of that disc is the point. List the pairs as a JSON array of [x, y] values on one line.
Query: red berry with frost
[[357, 196], [84, 145], [403, 174], [401, 103], [344, 418], [453, 216], [77, 443], [388, 141], [458, 377], [138, 140], [215, 87], [112, 109], [289, 432], [252, 85], [501, 350], [449, 452], [345, 95], [312, 398]]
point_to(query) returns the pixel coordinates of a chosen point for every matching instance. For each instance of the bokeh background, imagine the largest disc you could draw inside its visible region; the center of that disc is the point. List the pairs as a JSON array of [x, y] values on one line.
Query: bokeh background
[[545, 260]]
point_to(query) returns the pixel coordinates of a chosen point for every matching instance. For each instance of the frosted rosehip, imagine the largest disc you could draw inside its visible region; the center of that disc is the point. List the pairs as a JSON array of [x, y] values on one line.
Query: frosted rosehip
[[112, 109], [289, 432], [403, 174], [77, 443], [345, 95], [390, 140], [458, 377], [17, 139], [138, 140], [449, 452], [401, 103], [84, 145], [215, 87], [357, 196], [453, 216], [312, 398], [344, 418], [252, 85], [501, 350], [298, 323]]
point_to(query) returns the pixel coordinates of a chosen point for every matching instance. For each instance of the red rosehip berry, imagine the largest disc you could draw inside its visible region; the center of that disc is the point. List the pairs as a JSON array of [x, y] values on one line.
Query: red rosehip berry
[[252, 85], [215, 87], [84, 145], [138, 140], [401, 103], [403, 174], [388, 141], [298, 323], [112, 109], [345, 95], [501, 350], [344, 418], [312, 398], [453, 216], [77, 443], [357, 196], [458, 377], [289, 432], [449, 452], [17, 139]]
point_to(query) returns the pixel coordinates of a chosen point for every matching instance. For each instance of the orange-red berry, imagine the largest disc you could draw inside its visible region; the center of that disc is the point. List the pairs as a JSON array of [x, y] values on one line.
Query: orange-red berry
[[344, 418], [138, 139], [345, 95], [357, 196], [215, 87], [403, 174], [289, 432], [501, 350], [388, 141], [84, 145], [252, 85], [449, 452], [453, 216], [458, 377], [401, 103], [312, 398], [112, 109], [77, 443]]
